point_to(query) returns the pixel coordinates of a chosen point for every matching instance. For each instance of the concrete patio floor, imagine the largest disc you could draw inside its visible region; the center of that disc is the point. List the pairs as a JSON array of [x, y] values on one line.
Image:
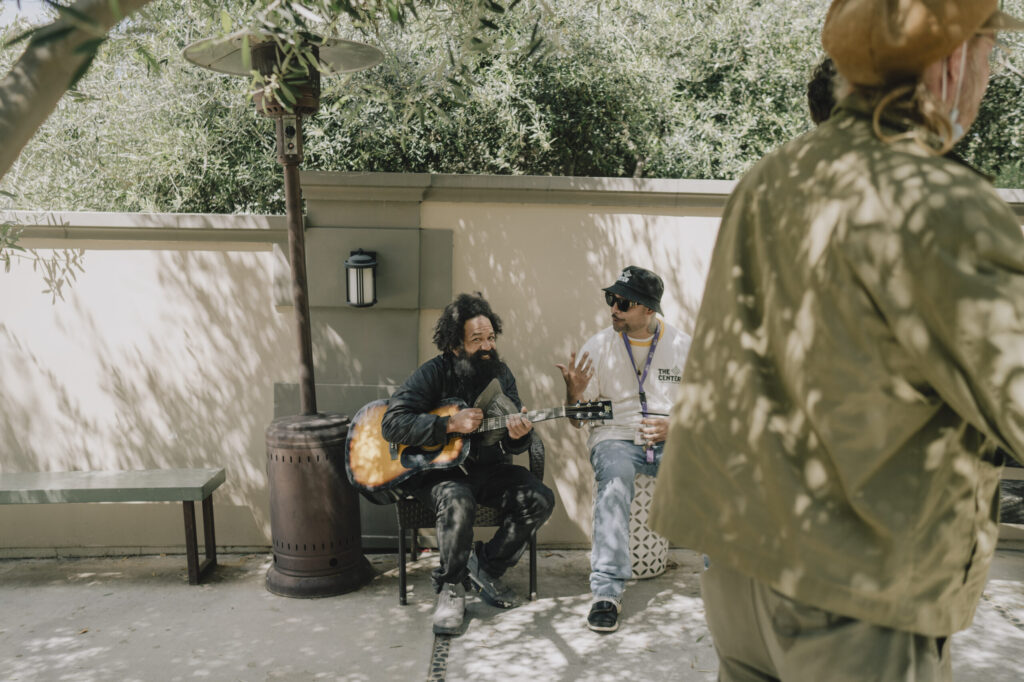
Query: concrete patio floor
[[136, 618]]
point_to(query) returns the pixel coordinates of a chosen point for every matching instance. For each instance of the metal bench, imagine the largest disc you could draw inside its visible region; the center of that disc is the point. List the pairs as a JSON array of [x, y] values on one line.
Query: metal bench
[[147, 485]]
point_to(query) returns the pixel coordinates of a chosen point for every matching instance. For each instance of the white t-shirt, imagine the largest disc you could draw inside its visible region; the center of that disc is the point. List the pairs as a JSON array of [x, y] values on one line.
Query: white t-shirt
[[615, 378]]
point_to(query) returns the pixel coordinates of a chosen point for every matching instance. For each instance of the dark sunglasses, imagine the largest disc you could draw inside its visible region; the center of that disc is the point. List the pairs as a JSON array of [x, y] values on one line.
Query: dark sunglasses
[[614, 301]]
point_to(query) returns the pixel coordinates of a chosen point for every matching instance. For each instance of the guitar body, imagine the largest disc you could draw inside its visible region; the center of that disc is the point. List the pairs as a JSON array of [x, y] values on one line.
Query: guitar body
[[375, 466]]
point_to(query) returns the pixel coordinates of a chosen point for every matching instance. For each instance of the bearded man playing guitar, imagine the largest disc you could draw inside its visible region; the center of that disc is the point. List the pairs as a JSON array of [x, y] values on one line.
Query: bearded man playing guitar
[[465, 334]]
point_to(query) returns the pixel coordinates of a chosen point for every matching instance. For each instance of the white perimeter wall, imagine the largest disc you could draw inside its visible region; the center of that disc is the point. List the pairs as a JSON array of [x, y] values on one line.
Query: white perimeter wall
[[165, 351]]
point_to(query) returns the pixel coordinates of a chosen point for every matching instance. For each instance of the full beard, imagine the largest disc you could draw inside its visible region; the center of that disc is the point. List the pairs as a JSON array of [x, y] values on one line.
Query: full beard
[[479, 368]]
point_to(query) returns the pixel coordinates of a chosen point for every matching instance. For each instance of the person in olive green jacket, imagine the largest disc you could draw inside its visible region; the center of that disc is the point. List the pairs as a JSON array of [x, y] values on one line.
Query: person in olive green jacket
[[857, 363]]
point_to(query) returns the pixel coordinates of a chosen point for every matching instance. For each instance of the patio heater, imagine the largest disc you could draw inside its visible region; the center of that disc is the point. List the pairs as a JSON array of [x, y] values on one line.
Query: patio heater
[[314, 512]]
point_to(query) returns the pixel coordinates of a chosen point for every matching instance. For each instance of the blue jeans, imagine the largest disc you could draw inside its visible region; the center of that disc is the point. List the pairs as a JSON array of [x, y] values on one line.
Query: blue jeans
[[615, 463]]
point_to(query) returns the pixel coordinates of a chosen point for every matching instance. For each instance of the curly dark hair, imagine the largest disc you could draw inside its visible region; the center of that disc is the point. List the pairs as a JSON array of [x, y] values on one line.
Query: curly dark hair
[[820, 91], [449, 328]]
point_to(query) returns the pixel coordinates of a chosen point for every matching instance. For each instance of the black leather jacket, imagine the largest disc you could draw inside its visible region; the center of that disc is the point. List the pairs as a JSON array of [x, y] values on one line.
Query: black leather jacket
[[408, 420]]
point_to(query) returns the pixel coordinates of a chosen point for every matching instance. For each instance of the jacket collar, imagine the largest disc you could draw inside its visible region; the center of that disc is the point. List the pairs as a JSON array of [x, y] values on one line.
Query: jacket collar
[[858, 106]]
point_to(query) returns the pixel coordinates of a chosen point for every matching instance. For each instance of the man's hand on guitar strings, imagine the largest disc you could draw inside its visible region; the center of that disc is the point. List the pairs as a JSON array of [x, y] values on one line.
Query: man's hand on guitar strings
[[519, 425], [465, 421]]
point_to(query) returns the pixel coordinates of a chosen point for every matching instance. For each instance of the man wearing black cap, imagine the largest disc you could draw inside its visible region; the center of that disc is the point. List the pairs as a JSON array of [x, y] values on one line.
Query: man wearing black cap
[[637, 364]]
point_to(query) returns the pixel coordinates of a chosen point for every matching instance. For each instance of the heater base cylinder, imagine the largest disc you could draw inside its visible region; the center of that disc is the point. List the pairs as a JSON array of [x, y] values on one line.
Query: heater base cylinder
[[314, 512]]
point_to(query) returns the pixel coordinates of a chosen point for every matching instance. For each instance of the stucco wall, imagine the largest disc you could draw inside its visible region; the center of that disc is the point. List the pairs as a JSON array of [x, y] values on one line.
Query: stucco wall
[[163, 353], [540, 250], [167, 349]]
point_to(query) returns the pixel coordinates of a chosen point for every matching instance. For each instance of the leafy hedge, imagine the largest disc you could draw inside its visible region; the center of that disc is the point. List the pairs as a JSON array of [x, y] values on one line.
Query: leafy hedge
[[654, 88]]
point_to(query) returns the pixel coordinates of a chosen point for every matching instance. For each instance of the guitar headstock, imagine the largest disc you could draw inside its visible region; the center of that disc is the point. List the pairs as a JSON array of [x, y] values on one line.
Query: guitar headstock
[[594, 410]]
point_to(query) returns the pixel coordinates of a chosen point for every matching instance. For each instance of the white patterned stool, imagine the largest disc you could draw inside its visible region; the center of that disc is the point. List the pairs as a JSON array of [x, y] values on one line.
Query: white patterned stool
[[647, 549]]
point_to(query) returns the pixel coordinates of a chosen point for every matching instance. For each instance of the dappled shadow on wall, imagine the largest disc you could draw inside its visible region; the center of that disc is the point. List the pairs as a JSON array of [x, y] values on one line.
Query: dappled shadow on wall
[[157, 359], [549, 312]]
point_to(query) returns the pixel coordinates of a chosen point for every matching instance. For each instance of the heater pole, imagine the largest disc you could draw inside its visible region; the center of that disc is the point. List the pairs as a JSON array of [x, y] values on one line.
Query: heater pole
[[289, 155]]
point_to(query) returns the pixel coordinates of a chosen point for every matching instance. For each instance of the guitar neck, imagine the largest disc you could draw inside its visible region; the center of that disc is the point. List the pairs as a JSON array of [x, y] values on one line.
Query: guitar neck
[[495, 423]]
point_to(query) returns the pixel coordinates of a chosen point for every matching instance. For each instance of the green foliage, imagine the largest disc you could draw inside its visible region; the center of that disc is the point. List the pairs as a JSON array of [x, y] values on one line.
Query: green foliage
[[655, 88], [994, 143], [58, 267], [143, 118], [9, 235], [146, 131], [651, 87], [583, 107]]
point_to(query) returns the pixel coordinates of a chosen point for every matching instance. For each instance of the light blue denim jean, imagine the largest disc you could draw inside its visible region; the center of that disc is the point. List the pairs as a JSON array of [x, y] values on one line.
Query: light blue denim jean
[[615, 463]]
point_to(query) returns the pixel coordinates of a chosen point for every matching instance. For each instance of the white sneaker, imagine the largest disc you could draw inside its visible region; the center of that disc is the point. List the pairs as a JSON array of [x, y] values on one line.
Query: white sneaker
[[450, 610]]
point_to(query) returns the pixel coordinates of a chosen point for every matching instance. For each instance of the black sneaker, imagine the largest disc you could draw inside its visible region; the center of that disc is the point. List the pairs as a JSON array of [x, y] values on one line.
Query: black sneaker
[[604, 616], [492, 590]]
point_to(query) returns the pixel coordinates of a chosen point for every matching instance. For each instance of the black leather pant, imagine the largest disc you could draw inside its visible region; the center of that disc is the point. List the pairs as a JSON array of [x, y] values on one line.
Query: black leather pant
[[523, 501]]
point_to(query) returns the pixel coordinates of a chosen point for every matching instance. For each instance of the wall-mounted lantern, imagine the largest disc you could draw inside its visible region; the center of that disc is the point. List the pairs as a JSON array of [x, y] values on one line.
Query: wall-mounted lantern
[[361, 278]]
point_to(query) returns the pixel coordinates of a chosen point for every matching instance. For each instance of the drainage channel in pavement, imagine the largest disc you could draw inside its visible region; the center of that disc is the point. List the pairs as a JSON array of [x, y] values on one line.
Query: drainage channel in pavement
[[439, 658]]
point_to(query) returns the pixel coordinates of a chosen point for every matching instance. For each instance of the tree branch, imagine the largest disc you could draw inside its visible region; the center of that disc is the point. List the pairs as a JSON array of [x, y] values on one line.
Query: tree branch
[[31, 90]]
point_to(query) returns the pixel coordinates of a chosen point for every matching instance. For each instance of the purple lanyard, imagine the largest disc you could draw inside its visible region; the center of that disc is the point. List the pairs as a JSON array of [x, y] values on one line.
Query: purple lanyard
[[643, 377]]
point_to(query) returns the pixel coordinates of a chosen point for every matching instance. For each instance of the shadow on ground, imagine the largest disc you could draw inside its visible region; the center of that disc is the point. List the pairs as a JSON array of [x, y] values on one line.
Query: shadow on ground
[[136, 618]]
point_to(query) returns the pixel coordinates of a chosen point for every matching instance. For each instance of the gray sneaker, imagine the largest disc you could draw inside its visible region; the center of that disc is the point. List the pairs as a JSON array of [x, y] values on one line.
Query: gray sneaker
[[450, 609], [492, 590]]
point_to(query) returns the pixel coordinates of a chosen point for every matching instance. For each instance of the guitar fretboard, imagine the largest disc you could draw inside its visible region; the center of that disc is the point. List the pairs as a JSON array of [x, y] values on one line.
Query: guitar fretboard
[[495, 423], [596, 410]]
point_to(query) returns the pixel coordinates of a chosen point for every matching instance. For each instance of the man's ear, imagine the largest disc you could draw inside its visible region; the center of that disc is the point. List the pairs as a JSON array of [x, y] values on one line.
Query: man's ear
[[957, 63], [652, 320], [949, 72], [933, 78]]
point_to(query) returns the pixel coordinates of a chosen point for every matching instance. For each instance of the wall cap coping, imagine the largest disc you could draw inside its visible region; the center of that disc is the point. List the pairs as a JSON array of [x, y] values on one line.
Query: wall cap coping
[[383, 187], [421, 187], [148, 227]]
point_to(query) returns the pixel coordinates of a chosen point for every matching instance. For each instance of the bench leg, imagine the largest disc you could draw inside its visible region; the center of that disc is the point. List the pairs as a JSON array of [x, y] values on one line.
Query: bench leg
[[211, 542], [191, 550], [197, 570]]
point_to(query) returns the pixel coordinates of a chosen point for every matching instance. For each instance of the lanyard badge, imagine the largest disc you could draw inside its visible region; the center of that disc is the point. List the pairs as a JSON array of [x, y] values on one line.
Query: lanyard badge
[[641, 377]]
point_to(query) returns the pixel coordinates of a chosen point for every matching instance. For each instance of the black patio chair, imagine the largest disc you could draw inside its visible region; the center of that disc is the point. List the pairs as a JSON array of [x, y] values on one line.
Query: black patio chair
[[413, 515]]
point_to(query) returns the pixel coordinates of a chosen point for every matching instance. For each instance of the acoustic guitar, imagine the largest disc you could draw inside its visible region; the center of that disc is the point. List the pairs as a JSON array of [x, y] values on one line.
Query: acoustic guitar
[[375, 466]]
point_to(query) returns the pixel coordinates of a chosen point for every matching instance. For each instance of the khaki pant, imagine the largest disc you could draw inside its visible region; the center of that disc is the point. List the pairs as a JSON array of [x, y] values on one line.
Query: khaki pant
[[761, 635]]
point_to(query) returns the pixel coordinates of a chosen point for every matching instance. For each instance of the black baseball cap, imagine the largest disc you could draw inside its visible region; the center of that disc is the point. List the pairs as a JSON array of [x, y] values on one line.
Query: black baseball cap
[[639, 285]]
